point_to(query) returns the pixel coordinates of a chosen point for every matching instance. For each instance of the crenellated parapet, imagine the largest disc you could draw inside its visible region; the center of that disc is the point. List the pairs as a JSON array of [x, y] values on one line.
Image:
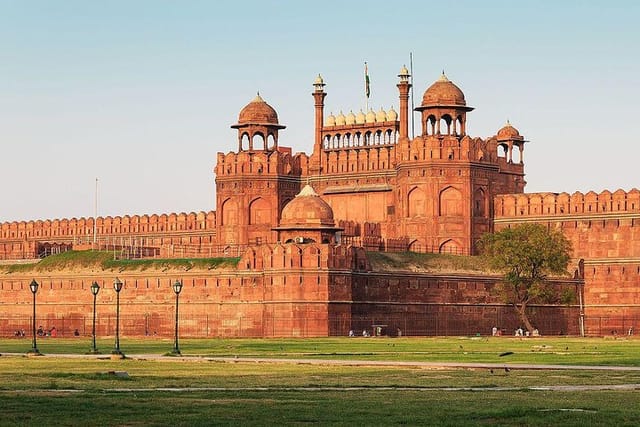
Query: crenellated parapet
[[565, 204], [311, 257], [277, 162], [118, 225]]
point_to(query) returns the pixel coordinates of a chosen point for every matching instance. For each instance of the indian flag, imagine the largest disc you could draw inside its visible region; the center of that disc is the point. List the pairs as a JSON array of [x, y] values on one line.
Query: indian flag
[[367, 89]]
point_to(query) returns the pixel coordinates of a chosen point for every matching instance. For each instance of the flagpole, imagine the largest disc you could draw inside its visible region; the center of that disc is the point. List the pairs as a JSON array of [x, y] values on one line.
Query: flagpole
[[413, 130]]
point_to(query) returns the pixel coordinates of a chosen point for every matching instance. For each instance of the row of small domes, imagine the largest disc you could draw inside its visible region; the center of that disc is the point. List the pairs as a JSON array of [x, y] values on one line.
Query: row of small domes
[[362, 118]]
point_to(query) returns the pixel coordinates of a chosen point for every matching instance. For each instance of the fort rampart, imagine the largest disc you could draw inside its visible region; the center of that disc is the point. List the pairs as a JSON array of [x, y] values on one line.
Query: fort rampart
[[604, 229], [165, 233], [276, 290]]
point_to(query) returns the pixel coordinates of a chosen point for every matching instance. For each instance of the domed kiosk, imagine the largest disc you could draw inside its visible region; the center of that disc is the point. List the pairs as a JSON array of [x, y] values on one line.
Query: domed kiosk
[[510, 144], [509, 133], [307, 219], [444, 109], [258, 120]]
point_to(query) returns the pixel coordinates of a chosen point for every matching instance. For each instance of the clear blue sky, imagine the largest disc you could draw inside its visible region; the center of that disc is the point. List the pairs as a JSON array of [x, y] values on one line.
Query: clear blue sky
[[141, 94]]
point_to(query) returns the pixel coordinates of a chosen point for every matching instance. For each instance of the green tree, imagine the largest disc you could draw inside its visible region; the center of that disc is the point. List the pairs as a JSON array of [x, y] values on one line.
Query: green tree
[[527, 254]]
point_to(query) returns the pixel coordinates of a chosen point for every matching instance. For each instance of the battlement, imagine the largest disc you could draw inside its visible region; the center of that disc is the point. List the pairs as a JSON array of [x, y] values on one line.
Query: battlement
[[272, 162], [312, 256], [136, 224], [564, 204]]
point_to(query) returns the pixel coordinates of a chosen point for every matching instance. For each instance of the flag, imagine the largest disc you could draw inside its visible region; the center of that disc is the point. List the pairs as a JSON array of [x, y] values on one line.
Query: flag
[[367, 89]]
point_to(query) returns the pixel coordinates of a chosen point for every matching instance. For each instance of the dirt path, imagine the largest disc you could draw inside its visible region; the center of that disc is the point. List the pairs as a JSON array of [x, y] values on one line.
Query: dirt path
[[334, 362]]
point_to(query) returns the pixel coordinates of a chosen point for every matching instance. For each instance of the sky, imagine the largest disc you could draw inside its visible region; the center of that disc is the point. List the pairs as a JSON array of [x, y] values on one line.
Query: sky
[[140, 95]]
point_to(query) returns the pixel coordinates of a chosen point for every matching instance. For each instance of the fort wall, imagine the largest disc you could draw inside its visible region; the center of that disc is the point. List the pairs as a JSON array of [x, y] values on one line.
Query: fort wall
[[276, 290], [604, 229], [168, 234]]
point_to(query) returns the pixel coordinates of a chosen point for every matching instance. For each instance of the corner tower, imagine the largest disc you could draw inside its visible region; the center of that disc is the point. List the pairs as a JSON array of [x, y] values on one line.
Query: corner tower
[[254, 183]]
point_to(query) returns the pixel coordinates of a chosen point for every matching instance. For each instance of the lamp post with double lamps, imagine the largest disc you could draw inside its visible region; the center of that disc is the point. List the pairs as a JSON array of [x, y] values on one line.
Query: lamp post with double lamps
[[95, 288], [116, 353], [33, 286], [177, 287]]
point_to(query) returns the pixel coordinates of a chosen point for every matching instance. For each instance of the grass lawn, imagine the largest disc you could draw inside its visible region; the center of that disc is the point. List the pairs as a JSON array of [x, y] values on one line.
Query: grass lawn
[[66, 391], [564, 351]]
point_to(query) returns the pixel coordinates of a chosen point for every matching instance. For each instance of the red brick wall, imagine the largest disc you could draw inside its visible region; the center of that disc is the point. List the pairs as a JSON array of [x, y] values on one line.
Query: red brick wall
[[605, 231]]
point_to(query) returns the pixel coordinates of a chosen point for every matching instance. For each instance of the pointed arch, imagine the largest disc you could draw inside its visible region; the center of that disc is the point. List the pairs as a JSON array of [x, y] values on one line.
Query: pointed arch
[[450, 246], [480, 207], [259, 211], [416, 246], [450, 202], [229, 212], [417, 200], [258, 141]]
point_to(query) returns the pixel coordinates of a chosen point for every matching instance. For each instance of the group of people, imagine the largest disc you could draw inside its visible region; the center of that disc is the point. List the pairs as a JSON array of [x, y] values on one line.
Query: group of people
[[520, 333], [41, 332], [496, 332]]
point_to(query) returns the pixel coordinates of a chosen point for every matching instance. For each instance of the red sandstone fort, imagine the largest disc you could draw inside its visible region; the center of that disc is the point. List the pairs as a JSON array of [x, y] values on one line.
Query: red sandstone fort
[[302, 225]]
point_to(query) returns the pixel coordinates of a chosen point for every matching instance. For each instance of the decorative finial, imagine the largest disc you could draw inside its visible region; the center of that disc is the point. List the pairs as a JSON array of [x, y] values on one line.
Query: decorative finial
[[318, 83], [443, 77], [258, 98]]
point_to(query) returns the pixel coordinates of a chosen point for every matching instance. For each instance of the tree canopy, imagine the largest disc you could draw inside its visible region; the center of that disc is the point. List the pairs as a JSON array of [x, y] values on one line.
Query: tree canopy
[[527, 254]]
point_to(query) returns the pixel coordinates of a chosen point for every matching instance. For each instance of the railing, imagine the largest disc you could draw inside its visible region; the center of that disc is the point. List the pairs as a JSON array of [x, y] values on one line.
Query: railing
[[559, 322], [377, 244]]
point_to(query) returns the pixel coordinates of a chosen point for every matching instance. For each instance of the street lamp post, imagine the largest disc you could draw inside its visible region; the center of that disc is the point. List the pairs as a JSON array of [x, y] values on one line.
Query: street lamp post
[[117, 285], [34, 348], [95, 288], [177, 287]]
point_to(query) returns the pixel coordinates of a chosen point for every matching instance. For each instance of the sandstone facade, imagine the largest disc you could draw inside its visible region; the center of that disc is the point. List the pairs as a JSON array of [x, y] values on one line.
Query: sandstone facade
[[438, 191]]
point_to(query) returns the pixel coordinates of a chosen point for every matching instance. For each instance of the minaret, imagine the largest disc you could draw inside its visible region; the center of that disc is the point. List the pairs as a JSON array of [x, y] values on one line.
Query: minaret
[[318, 96], [404, 87]]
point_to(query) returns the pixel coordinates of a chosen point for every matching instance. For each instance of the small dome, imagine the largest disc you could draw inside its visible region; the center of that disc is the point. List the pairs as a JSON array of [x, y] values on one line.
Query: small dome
[[258, 112], [351, 118], [443, 92], [331, 120], [360, 118], [318, 81], [381, 116], [340, 120], [307, 210], [508, 132], [404, 72], [392, 116], [371, 117]]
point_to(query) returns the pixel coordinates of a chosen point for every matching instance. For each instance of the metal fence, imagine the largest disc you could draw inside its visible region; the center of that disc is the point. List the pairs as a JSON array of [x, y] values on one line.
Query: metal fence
[[209, 326]]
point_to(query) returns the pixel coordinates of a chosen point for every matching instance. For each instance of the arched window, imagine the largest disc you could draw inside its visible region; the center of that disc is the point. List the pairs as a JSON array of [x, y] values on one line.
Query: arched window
[[502, 150], [258, 142], [244, 141], [271, 142], [430, 125], [516, 154]]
